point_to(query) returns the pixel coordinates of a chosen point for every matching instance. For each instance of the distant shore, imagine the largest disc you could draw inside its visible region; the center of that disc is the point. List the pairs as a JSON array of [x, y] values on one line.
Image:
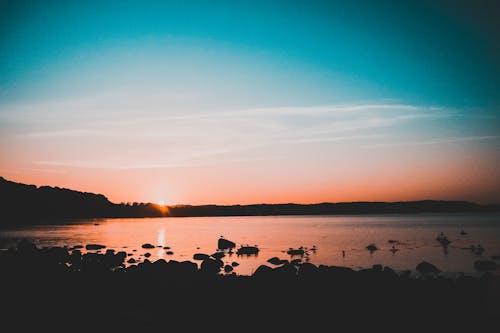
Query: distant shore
[[57, 287], [28, 204]]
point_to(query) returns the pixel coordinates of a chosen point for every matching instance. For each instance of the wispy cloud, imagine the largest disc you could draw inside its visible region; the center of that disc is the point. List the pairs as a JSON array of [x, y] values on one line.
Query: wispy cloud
[[434, 141], [159, 136]]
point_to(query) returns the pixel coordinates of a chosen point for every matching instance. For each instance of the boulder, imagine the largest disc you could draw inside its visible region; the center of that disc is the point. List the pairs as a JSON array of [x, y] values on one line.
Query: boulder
[[248, 250], [228, 268], [427, 268], [262, 271], [211, 266], [224, 244], [148, 246]]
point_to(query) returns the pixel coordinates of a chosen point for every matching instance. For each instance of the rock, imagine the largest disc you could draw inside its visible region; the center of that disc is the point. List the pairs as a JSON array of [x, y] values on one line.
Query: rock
[[307, 270], [169, 253], [147, 254], [211, 266], [377, 268], [392, 241], [94, 247], [187, 267], [224, 244], [228, 268], [201, 256], [372, 248], [235, 264], [427, 268], [485, 265], [295, 252], [389, 272], [120, 257], [131, 261], [110, 252], [218, 255], [166, 247], [275, 261], [247, 250], [263, 271], [148, 246]]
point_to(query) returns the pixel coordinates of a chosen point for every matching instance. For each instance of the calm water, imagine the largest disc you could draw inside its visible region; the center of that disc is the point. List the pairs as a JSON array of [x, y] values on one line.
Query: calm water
[[274, 235]]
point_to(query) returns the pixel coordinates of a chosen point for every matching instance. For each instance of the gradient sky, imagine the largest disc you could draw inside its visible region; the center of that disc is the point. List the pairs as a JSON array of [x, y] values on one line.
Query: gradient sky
[[250, 101]]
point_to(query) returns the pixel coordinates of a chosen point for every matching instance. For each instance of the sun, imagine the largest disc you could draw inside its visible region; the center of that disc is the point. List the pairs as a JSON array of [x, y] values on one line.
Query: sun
[[161, 202]]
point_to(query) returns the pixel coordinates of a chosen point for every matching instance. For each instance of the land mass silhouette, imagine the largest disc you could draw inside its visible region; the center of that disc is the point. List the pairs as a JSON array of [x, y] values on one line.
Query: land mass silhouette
[[23, 203]]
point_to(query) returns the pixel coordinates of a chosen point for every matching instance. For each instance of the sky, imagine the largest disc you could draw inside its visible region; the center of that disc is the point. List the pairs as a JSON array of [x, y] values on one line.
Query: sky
[[240, 102]]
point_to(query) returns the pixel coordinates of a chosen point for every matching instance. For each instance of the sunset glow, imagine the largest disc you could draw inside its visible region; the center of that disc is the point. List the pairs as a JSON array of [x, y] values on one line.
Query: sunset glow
[[237, 103]]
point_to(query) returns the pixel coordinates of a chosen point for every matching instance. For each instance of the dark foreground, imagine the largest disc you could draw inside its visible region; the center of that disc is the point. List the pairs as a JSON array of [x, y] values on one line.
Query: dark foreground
[[51, 290]]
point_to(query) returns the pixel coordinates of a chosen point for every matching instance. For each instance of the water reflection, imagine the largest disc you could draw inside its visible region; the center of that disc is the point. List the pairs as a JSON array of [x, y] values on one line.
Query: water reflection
[[332, 236]]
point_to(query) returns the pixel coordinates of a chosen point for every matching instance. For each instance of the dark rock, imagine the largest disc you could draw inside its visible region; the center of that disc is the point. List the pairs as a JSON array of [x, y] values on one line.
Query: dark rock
[[377, 268], [389, 272], [148, 246], [275, 261], [211, 266], [372, 248], [392, 241], [307, 270], [224, 244], [248, 250], [427, 268], [169, 253], [218, 255], [234, 264], [94, 247], [147, 254], [295, 252], [201, 256], [263, 271], [485, 265], [228, 268]]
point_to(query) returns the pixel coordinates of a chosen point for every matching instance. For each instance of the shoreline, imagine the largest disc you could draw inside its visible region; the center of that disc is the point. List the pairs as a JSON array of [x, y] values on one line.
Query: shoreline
[[60, 287]]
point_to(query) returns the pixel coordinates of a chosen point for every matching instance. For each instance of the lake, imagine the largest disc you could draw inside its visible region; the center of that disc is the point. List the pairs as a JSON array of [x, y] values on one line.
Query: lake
[[274, 235]]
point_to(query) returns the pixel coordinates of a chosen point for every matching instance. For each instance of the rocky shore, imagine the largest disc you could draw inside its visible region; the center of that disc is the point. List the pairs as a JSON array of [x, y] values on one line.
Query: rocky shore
[[59, 289]]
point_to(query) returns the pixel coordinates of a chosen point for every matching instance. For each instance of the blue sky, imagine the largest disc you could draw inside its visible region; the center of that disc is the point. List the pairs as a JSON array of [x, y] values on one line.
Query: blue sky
[[225, 82]]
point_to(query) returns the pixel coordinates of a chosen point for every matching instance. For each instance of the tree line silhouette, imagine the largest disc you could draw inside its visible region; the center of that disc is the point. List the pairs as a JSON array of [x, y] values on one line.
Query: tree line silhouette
[[22, 202]]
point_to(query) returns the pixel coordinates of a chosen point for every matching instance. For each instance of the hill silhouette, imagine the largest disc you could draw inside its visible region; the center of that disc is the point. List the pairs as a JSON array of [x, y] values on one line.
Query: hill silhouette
[[29, 203]]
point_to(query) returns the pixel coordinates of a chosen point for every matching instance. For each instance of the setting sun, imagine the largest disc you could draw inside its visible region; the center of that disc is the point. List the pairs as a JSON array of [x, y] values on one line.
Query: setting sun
[[161, 202]]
